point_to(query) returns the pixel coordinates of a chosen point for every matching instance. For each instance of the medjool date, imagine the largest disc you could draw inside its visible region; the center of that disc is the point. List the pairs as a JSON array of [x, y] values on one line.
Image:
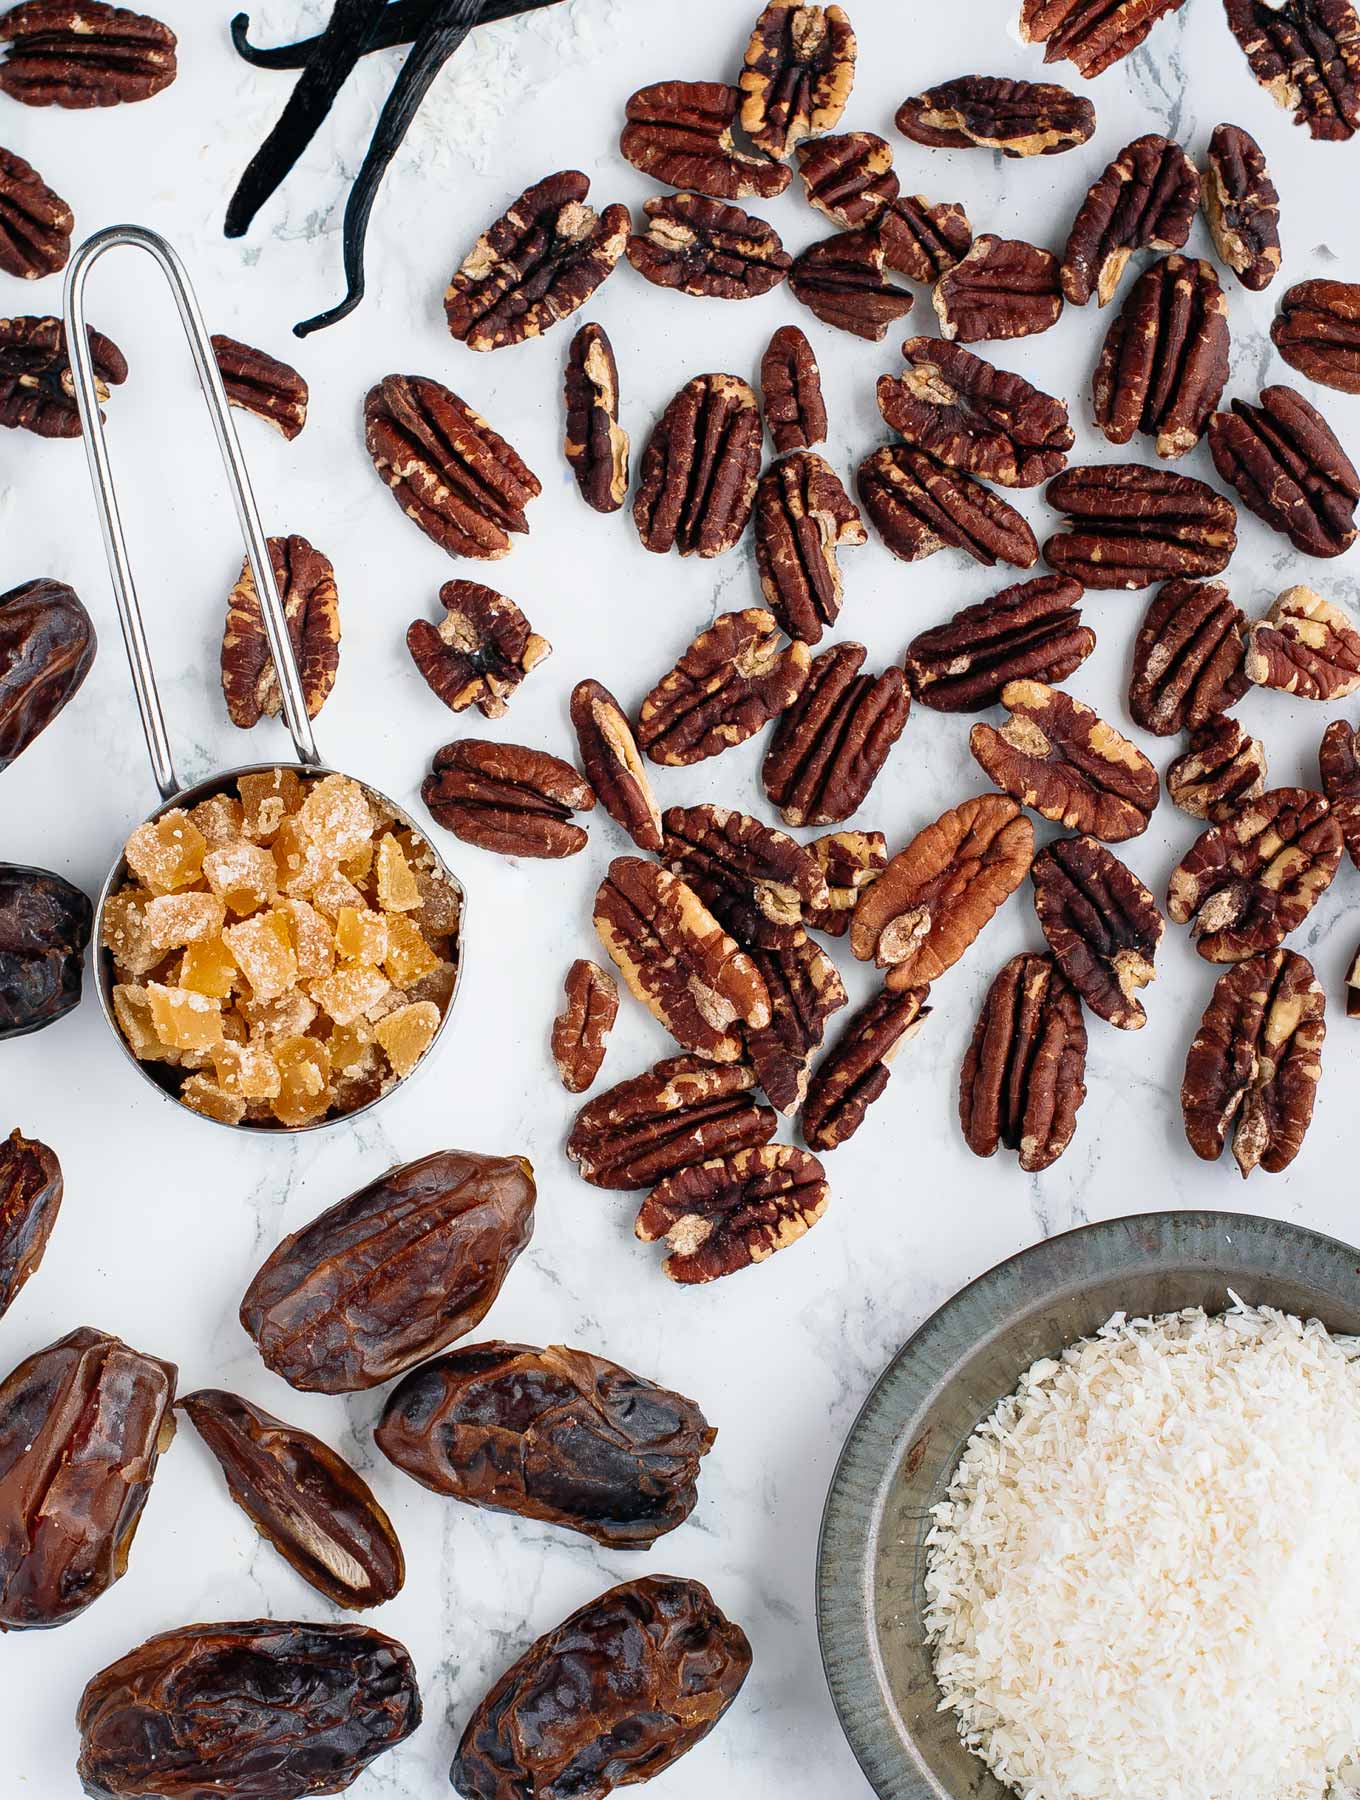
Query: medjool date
[[30, 1196], [44, 928], [47, 644]]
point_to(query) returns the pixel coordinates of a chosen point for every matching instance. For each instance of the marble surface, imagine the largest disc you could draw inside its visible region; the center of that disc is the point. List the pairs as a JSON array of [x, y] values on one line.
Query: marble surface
[[165, 1218]]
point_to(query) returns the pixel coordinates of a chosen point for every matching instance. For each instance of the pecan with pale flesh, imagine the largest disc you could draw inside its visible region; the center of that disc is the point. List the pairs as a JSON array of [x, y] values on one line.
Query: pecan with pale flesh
[[35, 223], [613, 763], [702, 247], [803, 518], [993, 112], [260, 384], [841, 281], [919, 506], [305, 580], [791, 392], [1187, 658], [700, 468], [1304, 646], [832, 743], [798, 72], [580, 1033], [850, 861], [595, 445], [1164, 363], [1145, 199], [1002, 288], [755, 880], [1306, 55], [479, 652], [921, 240], [37, 388], [734, 678], [1222, 770], [1317, 331], [1023, 1076], [680, 133], [721, 1216], [30, 1198], [849, 178], [1129, 526], [1287, 466], [682, 1111], [855, 1071], [1242, 207], [1339, 768], [969, 415], [805, 990], [507, 798], [1031, 629], [1102, 925], [83, 53], [1090, 34]]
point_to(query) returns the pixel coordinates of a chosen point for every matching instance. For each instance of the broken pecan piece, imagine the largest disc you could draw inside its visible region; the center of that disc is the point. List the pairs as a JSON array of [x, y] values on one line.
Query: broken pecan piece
[[850, 861], [596, 445], [1339, 767], [1164, 364], [755, 880], [37, 389], [734, 678], [799, 69], [1102, 925], [832, 743], [613, 763], [969, 415], [1024, 1073], [803, 518], [1129, 526], [580, 1033], [1242, 207], [1001, 288], [1317, 331], [921, 240], [720, 1216], [699, 469], [855, 1071], [1253, 1067], [479, 652], [1187, 658], [841, 281], [1031, 629], [993, 112], [1222, 770], [506, 798], [1090, 34], [849, 178], [703, 247], [1284, 460], [1304, 646], [30, 1198], [1146, 199], [791, 392], [260, 384], [680, 133], [918, 506], [311, 605], [682, 1111], [83, 54], [805, 990], [1306, 55], [35, 223]]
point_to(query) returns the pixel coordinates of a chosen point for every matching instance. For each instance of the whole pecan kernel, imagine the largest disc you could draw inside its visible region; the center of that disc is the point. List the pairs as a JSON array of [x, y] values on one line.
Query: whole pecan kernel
[[805, 990], [1245, 884], [1090, 34], [703, 247], [1304, 646], [1339, 768], [1222, 770], [1306, 55], [682, 1111], [754, 880], [791, 392], [613, 763], [1242, 207], [680, 132], [1187, 658], [850, 861], [855, 1071], [841, 281], [1060, 757], [1102, 925], [1031, 629], [918, 506], [311, 605], [831, 745], [37, 389], [992, 112], [30, 1198], [921, 240], [699, 469], [507, 798], [1146, 199], [1130, 526], [261, 384], [580, 1033], [1164, 363], [803, 517], [1284, 460], [1317, 331], [479, 652], [969, 415], [83, 54], [47, 648], [799, 69], [1002, 288], [734, 678], [35, 223], [1024, 1073], [1253, 1067], [849, 178], [935, 896], [596, 445], [721, 1216]]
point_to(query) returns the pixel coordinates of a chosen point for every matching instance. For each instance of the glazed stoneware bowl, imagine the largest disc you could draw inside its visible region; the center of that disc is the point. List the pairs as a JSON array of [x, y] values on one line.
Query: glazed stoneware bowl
[[902, 1451]]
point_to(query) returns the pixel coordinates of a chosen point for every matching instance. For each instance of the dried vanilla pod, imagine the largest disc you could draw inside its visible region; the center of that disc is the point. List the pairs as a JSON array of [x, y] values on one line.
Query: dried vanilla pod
[[305, 579], [1242, 207], [719, 1217], [919, 506], [479, 652], [37, 388], [1287, 466], [82, 53], [580, 1033], [35, 223], [30, 1199], [855, 1071], [680, 133], [1129, 526], [805, 990], [803, 517], [1164, 363], [756, 881], [841, 281], [1317, 331], [1146, 199], [1223, 769], [791, 392], [613, 763], [1339, 769], [849, 178], [508, 798], [1090, 34], [703, 247], [968, 415], [994, 112], [1304, 646], [700, 468], [734, 678], [47, 647], [1353, 988], [830, 746], [684, 1110], [260, 384], [595, 445], [850, 861], [1032, 629], [1102, 925], [1187, 658], [1306, 55], [1023, 1076], [921, 240], [1001, 288], [799, 69]]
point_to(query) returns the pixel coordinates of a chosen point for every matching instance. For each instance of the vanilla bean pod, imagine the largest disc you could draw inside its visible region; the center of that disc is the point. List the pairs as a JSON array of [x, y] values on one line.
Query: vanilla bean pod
[[399, 24]]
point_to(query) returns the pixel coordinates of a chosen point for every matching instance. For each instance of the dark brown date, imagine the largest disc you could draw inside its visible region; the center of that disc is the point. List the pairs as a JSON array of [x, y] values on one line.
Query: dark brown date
[[47, 644], [30, 1196], [44, 929], [392, 1273]]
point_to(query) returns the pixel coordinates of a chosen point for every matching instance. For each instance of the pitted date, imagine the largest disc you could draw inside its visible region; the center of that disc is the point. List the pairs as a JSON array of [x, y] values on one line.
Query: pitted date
[[30, 1198], [47, 644], [44, 929]]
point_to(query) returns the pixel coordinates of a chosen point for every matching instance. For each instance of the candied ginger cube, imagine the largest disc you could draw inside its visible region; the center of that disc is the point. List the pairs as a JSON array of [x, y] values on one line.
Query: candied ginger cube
[[244, 875], [302, 865], [132, 1009], [359, 866], [313, 939], [407, 1034], [221, 819], [351, 1046], [440, 909], [173, 920], [336, 817], [201, 1095], [437, 986], [290, 1015], [398, 890], [166, 853], [124, 931], [304, 1081], [360, 935], [184, 1020], [268, 799], [248, 1070], [408, 955], [338, 891], [263, 948], [209, 968], [350, 992]]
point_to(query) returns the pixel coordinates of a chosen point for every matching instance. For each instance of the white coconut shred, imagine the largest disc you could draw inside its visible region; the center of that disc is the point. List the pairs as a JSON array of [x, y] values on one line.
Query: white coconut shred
[[1145, 1581]]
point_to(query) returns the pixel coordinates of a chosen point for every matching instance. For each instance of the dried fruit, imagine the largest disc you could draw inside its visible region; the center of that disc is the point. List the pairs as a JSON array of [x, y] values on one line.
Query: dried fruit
[[918, 507], [840, 280], [799, 69], [82, 53], [1222, 770], [849, 178], [1129, 526], [1090, 34], [993, 112], [921, 240], [791, 392], [831, 745], [702, 247], [1304, 646], [855, 1072], [1164, 363], [47, 644], [1001, 288], [596, 445], [44, 928], [968, 415], [1317, 331], [1306, 55], [805, 990], [850, 861], [1032, 629], [754, 880], [722, 1216], [1242, 207], [1102, 925], [479, 652], [507, 798], [1284, 460], [803, 518], [260, 384], [1146, 199], [734, 678], [613, 763], [680, 133], [35, 223], [1339, 768], [699, 469], [30, 1198], [1187, 658], [306, 583], [1023, 1076], [580, 1032], [684, 1110], [37, 389]]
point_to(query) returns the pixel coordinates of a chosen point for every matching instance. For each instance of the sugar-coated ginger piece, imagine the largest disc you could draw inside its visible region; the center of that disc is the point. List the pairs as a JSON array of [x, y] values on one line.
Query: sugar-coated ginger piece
[[173, 920], [221, 819], [132, 1009], [336, 816], [209, 968], [408, 956], [124, 931], [263, 948], [166, 853], [184, 1020], [290, 1015], [360, 935], [204, 1096], [407, 1034], [304, 1081], [351, 1046], [313, 939], [249, 1070], [244, 875], [335, 892], [349, 993], [267, 799], [398, 890]]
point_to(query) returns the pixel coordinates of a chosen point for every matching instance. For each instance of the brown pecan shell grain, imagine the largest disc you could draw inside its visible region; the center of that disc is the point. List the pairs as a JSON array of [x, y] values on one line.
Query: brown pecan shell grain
[[721, 1216], [805, 991], [855, 1071], [841, 281], [799, 69], [1306, 55], [1287, 466], [1090, 34], [1031, 629], [1242, 207], [700, 468], [260, 384], [993, 112], [702, 247], [755, 880], [580, 1033], [1223, 769], [595, 445], [1187, 658], [919, 506], [1339, 768], [1024, 1073], [734, 678], [613, 763], [921, 240], [680, 133], [37, 388], [311, 605], [1317, 331], [1102, 925], [935, 896], [1304, 646], [969, 415], [507, 798], [803, 518], [1252, 1069], [681, 1111], [850, 861], [832, 743], [35, 223], [480, 651], [83, 54], [791, 392], [1146, 199], [1164, 363], [849, 178], [1002, 288], [1129, 526], [30, 1198]]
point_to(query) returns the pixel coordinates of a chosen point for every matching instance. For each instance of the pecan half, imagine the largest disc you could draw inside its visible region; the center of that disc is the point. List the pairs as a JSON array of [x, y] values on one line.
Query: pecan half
[[1001, 288], [682, 1111], [260, 384], [849, 178], [680, 133], [935, 896], [921, 240], [969, 415], [1306, 55], [1060, 757], [1253, 1067], [1187, 658], [1339, 768], [734, 678], [918, 507], [306, 583], [1222, 770], [699, 469], [35, 223], [1304, 646], [1024, 1073], [613, 763], [596, 445], [855, 1071], [841, 281], [803, 518], [506, 798], [479, 652], [580, 1033], [30, 1198], [791, 392], [993, 112], [703, 247], [83, 54], [1130, 526], [1164, 363], [449, 471], [725, 1215], [832, 743], [1146, 199], [1031, 629], [1242, 207], [1245, 884], [805, 990], [37, 389], [753, 879], [1090, 34], [799, 69], [1284, 460], [850, 861], [1102, 925], [1317, 331]]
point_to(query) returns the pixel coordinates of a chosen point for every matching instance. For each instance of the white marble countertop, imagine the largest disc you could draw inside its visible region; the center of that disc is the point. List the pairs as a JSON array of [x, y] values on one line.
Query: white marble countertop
[[165, 1218]]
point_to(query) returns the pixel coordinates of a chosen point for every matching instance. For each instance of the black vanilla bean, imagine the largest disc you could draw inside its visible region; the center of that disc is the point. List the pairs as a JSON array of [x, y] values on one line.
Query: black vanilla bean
[[399, 24]]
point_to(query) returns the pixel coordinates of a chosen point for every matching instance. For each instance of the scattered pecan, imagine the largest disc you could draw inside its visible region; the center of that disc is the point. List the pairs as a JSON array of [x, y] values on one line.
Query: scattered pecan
[[1222, 770], [596, 445], [1002, 288], [755, 880], [1245, 884], [1339, 767], [841, 281], [799, 69], [1253, 1067], [855, 1072], [831, 745], [613, 763], [935, 896], [803, 518], [703, 247], [1031, 629], [848, 178], [1317, 331], [993, 112], [734, 678], [721, 1216], [677, 959], [680, 133], [261, 384], [1090, 34], [1164, 363], [969, 415], [306, 583], [30, 1198], [921, 240], [37, 389], [580, 1033], [1024, 1073], [805, 990], [479, 652], [1130, 526], [1102, 925], [791, 392], [918, 507], [1242, 207], [507, 798], [448, 470], [47, 648], [1306, 55], [1284, 460], [1304, 646], [699, 469], [683, 1111], [1146, 199], [83, 54], [35, 223], [850, 861], [1187, 658]]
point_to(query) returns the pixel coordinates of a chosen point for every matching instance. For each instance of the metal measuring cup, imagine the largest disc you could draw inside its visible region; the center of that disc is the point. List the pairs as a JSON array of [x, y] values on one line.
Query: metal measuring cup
[[173, 793]]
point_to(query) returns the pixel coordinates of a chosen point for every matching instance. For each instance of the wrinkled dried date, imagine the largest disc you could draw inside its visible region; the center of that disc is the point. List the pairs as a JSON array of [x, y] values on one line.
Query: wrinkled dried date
[[1285, 462], [993, 112], [832, 743], [791, 392], [37, 388], [719, 1217], [44, 929], [1304, 646], [1242, 207], [734, 678], [841, 281], [680, 133], [30, 1198], [754, 880], [580, 1033], [83, 53], [1023, 1077], [855, 1071], [480, 651], [682, 1111], [848, 178], [1129, 526], [595, 445], [1145, 199], [613, 763], [803, 518], [798, 72], [1317, 331], [260, 384], [1002, 288], [47, 644], [1164, 363], [1032, 629], [35, 223], [1187, 658], [1306, 55], [507, 798], [699, 469], [1102, 925], [305, 580], [918, 506], [971, 416], [1339, 768], [805, 990], [1222, 770], [702, 247]]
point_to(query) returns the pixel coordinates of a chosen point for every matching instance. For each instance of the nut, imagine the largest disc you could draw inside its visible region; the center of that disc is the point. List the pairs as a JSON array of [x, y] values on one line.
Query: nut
[[921, 240], [1090, 34], [1242, 207], [1306, 55], [680, 132], [1187, 658], [791, 392], [705, 248], [918, 507], [841, 281], [727, 1214], [1304, 646], [1339, 767], [613, 763], [1130, 526], [969, 415], [1164, 364], [35, 223], [506, 798], [1031, 629], [1145, 199], [830, 746], [479, 652], [1284, 460], [935, 896], [1254, 1064], [753, 879], [580, 1033], [699, 469], [1222, 770], [306, 583], [261, 384], [803, 517], [855, 1072], [850, 861], [799, 69], [84, 54], [1317, 331], [734, 678], [1002, 288], [805, 990], [992, 112], [37, 389], [596, 445], [848, 178], [1023, 1077], [682, 1111], [1102, 925]]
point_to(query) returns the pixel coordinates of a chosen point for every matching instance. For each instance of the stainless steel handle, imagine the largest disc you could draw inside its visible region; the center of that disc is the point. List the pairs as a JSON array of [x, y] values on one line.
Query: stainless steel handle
[[110, 517]]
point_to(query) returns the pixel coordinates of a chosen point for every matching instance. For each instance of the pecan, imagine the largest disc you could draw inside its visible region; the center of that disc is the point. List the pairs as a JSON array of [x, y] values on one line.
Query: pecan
[[1060, 757], [918, 507], [848, 178], [1284, 460], [841, 281], [992, 112], [850, 861], [831, 745], [1222, 770], [683, 1111], [613, 763], [1023, 1077], [37, 389], [753, 879], [855, 1072], [479, 652], [83, 54], [1001, 288], [791, 392], [306, 583], [1304, 646], [35, 223], [1145, 199], [448, 470], [506, 798], [1164, 363], [261, 384], [1130, 526], [680, 132], [699, 469], [1254, 1064], [803, 517], [1090, 34], [1245, 884], [1187, 658], [1031, 629], [734, 678], [935, 896], [799, 69], [703, 247], [921, 240], [1242, 207], [580, 1033], [1339, 767], [30, 1198], [677, 959], [720, 1216], [805, 990], [596, 445], [1317, 331], [1306, 55], [969, 415], [541, 260], [1102, 925], [47, 648]]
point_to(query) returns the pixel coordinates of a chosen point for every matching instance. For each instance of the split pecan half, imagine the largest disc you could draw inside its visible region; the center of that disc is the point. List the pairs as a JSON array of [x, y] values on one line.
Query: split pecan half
[[1164, 363], [1090, 34], [613, 763], [479, 652], [1222, 770], [804, 517], [680, 133], [1339, 767], [918, 506], [1187, 658], [734, 678], [755, 880], [596, 445], [83, 54], [1001, 288], [580, 1033], [799, 69], [850, 861], [702, 247], [1287, 466], [921, 239], [260, 384], [1304, 646], [993, 112], [1242, 207], [699, 469], [1146, 199], [969, 415], [30, 1199], [1317, 331], [721, 1216], [1024, 1073], [791, 392], [841, 281], [507, 798], [849, 178], [832, 743], [35, 223], [1306, 55], [805, 990], [1130, 526], [682, 1111], [37, 389], [306, 583], [1032, 629], [856, 1070], [1102, 925]]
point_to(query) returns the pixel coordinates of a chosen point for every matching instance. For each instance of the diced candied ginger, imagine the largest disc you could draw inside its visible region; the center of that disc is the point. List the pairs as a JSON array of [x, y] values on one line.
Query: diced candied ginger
[[304, 1080], [268, 799], [209, 968], [360, 935], [263, 948], [359, 866], [398, 890], [184, 1020], [440, 910], [336, 817], [302, 866], [313, 939], [249, 1070], [350, 992], [408, 955], [132, 1009], [202, 1095], [124, 931], [337, 891], [220, 818], [437, 986], [407, 1034], [243, 875], [166, 853], [173, 920], [351, 1046], [288, 1016]]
